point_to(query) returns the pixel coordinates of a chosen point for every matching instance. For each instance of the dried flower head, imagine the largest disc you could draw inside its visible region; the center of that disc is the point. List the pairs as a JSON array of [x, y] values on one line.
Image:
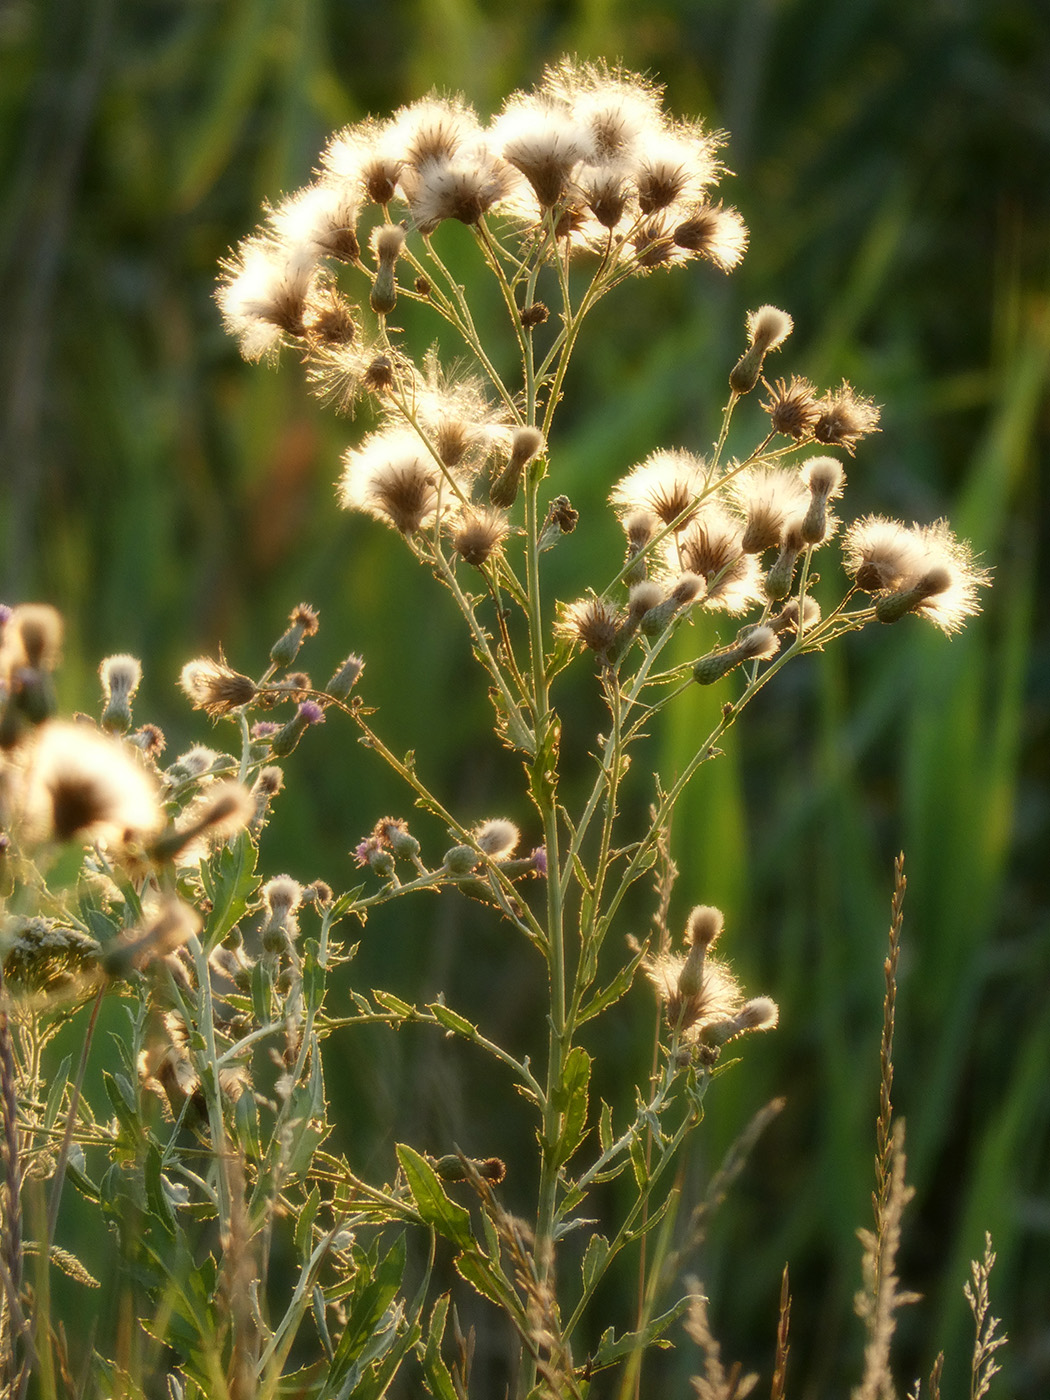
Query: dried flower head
[[844, 418], [214, 687], [479, 533], [716, 233], [591, 621], [793, 408]]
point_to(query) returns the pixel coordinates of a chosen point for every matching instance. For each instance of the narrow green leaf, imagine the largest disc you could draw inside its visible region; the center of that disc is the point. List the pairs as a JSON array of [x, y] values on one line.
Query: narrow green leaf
[[389, 1002], [304, 1226], [452, 1020]]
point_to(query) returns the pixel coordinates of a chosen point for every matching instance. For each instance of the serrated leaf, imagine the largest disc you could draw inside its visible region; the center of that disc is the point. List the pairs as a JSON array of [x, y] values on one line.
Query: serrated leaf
[[612, 1349], [229, 881], [58, 1087], [612, 992], [594, 1257], [435, 1372], [641, 1171], [121, 1097], [446, 1217], [157, 1199], [482, 1276], [573, 1094]]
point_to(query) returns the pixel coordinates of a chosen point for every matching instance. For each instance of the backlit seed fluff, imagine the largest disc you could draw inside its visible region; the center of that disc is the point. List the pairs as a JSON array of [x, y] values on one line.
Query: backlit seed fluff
[[768, 327], [498, 838], [669, 485]]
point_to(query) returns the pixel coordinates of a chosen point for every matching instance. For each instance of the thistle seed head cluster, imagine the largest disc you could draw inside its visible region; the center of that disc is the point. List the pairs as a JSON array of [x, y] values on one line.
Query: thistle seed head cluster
[[701, 998]]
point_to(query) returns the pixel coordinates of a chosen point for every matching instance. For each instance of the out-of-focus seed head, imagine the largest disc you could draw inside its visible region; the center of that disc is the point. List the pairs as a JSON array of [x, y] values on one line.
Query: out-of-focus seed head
[[79, 784], [498, 838], [704, 926], [120, 676], [32, 637]]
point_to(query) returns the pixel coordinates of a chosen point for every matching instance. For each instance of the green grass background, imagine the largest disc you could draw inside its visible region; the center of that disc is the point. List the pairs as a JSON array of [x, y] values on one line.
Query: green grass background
[[893, 164]]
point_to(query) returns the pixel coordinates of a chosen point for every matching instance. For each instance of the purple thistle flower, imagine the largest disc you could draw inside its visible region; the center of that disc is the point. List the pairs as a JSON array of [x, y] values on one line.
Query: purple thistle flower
[[539, 860], [311, 712]]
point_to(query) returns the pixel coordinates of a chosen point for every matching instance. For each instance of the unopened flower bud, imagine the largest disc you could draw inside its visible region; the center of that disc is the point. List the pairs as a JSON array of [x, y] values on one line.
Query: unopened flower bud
[[460, 860], [387, 242], [777, 583], [757, 644], [120, 677], [686, 589], [691, 977], [767, 328], [824, 477], [704, 926], [526, 443], [345, 678], [786, 620], [304, 623], [758, 1014], [286, 738]]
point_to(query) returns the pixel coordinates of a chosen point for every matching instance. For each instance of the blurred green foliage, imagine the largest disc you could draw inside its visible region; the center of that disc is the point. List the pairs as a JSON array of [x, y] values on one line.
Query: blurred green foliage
[[893, 165]]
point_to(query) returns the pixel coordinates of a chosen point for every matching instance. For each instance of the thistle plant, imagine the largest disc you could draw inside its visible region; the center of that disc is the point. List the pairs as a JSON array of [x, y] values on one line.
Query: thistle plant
[[139, 882]]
